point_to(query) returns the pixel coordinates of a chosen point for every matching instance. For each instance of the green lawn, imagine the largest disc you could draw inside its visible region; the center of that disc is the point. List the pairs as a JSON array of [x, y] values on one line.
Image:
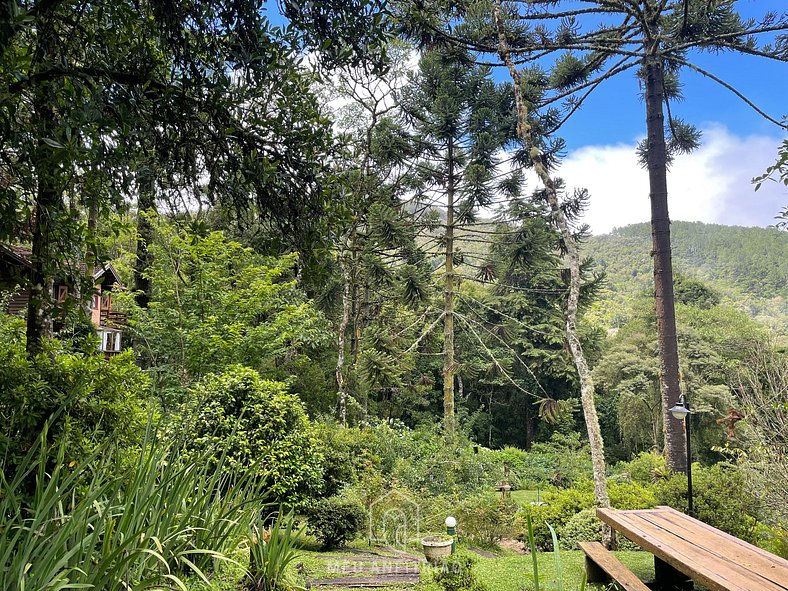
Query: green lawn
[[525, 497], [508, 572], [515, 572]]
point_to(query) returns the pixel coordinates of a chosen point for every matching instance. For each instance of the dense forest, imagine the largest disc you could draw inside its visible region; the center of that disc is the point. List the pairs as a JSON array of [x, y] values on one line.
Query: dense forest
[[273, 284], [747, 267]]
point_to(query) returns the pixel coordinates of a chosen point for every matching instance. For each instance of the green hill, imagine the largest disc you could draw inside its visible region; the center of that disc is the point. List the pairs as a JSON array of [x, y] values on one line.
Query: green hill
[[748, 267]]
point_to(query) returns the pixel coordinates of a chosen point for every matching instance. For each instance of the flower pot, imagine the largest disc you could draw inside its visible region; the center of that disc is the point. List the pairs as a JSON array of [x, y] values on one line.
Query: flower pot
[[436, 548]]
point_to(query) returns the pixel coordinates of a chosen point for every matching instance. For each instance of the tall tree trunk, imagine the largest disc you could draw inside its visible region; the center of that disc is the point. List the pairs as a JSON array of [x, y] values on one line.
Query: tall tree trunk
[[355, 312], [448, 307], [670, 389], [49, 205], [146, 207], [586, 382], [341, 333], [39, 308]]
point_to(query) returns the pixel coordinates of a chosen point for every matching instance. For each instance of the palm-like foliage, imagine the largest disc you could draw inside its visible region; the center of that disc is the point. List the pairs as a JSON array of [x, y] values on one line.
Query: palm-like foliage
[[89, 527], [271, 549]]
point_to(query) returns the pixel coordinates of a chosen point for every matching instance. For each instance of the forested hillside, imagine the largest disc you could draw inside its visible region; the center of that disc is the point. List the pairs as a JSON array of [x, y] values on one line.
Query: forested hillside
[[748, 267], [279, 310]]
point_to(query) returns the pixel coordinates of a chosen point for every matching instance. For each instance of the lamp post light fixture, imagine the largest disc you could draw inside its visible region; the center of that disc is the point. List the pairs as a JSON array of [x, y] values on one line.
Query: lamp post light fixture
[[451, 529], [681, 411]]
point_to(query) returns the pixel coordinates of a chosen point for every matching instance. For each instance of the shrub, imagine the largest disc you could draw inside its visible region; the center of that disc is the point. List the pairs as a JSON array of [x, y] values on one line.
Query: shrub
[[563, 504], [456, 574], [773, 539], [647, 468], [486, 519], [631, 495], [585, 526], [419, 460], [560, 507], [82, 397], [562, 461], [335, 521], [721, 497], [345, 456], [260, 427], [517, 461]]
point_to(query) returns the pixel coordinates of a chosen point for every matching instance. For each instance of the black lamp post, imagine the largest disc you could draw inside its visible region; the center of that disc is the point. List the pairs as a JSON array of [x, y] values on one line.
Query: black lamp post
[[682, 412]]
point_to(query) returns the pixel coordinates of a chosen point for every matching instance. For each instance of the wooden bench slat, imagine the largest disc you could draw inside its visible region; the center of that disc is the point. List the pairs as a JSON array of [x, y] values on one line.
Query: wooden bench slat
[[612, 566], [696, 562], [684, 555], [720, 553], [728, 547]]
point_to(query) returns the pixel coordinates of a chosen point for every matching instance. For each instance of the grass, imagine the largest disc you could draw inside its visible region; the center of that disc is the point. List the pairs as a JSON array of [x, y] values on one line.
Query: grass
[[508, 572], [526, 497], [514, 572]]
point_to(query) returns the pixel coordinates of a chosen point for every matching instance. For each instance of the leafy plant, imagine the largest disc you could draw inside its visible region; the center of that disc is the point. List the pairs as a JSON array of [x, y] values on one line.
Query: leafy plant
[[272, 547], [86, 526], [456, 574], [254, 426], [486, 519], [335, 521], [82, 397]]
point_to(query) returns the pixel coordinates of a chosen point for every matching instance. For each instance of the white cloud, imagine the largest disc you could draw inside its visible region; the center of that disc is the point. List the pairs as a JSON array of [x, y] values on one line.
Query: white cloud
[[713, 184]]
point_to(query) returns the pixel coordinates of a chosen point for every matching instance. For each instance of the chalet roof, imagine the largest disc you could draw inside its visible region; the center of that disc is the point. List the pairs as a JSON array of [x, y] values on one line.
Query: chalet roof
[[22, 255]]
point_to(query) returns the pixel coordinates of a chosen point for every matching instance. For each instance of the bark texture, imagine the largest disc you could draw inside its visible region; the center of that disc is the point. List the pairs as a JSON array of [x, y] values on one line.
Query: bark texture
[[448, 307], [146, 206], [573, 257], [341, 335], [670, 389], [49, 204]]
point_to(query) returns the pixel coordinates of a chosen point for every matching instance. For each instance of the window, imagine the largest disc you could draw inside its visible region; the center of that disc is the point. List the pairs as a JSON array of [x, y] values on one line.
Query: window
[[110, 341]]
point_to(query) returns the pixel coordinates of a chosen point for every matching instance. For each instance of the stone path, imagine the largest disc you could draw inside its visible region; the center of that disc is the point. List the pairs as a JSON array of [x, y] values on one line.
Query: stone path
[[361, 568], [483, 553]]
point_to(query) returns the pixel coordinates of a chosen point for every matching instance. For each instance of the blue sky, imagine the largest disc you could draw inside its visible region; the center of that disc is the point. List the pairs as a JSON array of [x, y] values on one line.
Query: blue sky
[[710, 185]]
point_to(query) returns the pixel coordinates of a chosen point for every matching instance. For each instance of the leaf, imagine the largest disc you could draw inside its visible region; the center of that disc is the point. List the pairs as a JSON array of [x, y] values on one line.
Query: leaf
[[53, 143]]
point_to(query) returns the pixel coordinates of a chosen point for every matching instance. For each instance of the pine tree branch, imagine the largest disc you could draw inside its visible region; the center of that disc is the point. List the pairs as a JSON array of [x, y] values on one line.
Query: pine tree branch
[[493, 357], [729, 87], [622, 67], [717, 39], [505, 315], [427, 331]]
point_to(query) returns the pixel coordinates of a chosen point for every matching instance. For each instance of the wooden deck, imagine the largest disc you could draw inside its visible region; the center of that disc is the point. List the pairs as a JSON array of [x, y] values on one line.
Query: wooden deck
[[716, 560]]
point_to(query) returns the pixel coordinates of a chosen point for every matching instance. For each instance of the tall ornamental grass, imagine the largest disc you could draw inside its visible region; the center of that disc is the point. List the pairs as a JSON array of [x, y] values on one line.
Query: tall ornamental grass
[[88, 527]]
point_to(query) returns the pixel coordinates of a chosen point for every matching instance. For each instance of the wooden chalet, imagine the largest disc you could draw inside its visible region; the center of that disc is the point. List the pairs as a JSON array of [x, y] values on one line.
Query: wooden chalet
[[15, 268]]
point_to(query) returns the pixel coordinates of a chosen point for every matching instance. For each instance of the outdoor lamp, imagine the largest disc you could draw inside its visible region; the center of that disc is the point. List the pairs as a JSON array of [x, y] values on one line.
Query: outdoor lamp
[[451, 524], [681, 411]]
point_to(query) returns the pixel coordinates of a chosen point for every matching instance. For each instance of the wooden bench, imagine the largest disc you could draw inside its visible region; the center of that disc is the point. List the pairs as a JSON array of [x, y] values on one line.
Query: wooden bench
[[602, 566], [685, 548]]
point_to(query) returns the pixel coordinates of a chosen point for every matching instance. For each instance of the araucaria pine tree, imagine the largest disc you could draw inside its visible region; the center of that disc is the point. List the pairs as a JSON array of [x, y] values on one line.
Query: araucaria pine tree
[[655, 40], [460, 121]]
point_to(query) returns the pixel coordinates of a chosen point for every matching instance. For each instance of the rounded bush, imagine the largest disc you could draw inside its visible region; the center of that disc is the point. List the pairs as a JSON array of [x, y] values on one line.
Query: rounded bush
[[585, 526], [335, 521], [261, 428]]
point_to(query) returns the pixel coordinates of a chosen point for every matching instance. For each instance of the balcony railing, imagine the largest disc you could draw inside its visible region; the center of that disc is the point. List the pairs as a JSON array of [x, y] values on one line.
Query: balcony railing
[[117, 319]]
